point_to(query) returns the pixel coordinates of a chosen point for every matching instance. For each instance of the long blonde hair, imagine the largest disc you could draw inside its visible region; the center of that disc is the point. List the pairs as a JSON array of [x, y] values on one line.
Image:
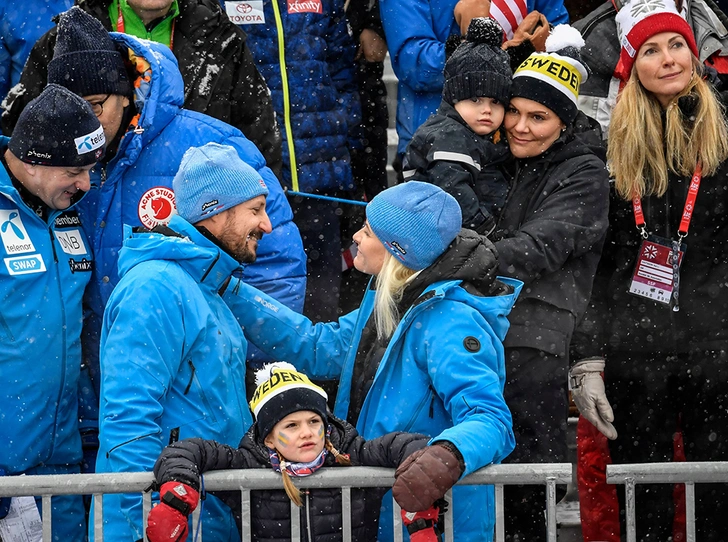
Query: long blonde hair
[[391, 282], [643, 151], [292, 491]]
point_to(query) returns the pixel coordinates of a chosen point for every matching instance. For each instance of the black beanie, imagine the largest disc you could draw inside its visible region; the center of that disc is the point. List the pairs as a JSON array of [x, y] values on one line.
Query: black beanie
[[59, 129], [85, 60], [479, 67]]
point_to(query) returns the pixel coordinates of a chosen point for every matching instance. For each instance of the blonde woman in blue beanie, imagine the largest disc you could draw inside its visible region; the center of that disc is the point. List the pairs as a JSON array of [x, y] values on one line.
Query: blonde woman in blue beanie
[[422, 353]]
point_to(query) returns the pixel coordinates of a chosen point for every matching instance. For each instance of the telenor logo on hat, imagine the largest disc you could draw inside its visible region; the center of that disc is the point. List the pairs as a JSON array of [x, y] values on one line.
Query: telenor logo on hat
[[90, 142]]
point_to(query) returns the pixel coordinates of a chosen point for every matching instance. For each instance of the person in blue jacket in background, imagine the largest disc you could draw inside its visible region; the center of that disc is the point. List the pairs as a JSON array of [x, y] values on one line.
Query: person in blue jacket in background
[[47, 264], [423, 353], [172, 354], [416, 32], [148, 132], [21, 24], [304, 51]]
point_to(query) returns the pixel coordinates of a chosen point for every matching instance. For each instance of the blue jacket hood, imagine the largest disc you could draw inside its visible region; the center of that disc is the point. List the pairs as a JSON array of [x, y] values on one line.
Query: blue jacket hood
[[198, 256]]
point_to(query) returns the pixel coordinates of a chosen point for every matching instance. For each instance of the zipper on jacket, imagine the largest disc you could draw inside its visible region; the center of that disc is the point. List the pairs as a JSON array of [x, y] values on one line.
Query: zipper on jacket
[[432, 402], [53, 244], [286, 96], [192, 376], [419, 408]]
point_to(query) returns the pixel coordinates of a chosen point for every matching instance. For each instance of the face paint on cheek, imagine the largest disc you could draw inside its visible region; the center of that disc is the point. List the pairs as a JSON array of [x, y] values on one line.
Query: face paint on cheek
[[283, 439], [321, 431]]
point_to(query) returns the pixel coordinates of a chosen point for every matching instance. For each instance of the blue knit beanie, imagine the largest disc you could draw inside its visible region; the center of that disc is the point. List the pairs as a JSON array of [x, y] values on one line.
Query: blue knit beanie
[[212, 179], [416, 221]]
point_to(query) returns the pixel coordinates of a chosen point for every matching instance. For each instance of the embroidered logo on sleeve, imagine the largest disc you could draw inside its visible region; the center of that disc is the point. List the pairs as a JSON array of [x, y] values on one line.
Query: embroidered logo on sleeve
[[156, 206], [13, 233]]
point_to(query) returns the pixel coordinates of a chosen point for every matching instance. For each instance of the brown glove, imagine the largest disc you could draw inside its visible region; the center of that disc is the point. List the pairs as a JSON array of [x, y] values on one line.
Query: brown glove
[[466, 10], [534, 28], [426, 475]]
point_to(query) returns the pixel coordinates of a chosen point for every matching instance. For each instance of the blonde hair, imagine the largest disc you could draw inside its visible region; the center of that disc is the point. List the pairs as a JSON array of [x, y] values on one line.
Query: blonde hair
[[292, 491], [391, 282], [641, 154]]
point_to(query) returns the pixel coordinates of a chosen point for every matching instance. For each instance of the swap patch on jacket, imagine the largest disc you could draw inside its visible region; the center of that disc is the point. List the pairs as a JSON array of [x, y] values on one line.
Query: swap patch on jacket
[[554, 69]]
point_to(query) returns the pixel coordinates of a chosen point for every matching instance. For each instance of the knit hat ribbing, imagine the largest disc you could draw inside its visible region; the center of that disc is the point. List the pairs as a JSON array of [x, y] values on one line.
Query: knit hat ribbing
[[639, 20], [415, 221], [85, 60], [58, 129], [282, 391], [553, 78], [478, 67], [212, 179]]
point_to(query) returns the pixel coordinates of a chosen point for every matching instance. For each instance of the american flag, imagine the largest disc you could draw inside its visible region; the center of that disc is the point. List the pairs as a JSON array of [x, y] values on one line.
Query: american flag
[[509, 14]]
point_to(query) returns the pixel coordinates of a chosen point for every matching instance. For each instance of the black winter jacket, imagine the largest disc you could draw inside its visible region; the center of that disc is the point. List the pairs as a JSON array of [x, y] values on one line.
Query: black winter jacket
[[446, 152], [271, 509], [551, 233], [219, 73], [618, 322]]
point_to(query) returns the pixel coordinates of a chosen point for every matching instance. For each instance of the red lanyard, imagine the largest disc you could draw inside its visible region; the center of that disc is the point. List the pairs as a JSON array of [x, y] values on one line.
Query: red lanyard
[[120, 26], [639, 217]]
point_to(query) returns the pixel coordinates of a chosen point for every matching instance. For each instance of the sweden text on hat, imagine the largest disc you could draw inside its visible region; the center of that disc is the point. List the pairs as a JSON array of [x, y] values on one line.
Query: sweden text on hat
[[553, 78], [212, 179], [415, 221], [58, 129], [281, 391]]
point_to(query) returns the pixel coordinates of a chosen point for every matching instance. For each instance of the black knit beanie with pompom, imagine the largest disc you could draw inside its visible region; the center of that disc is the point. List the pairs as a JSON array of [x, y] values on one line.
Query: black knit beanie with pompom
[[478, 67]]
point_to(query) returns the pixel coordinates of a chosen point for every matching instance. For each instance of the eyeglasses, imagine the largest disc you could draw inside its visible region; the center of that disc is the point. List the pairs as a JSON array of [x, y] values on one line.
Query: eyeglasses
[[98, 107]]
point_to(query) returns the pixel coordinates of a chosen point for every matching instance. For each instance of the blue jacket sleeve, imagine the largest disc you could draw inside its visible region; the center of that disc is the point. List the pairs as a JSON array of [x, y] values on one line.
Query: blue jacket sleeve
[[139, 361], [417, 54], [554, 10], [280, 267], [6, 60], [470, 384], [318, 350]]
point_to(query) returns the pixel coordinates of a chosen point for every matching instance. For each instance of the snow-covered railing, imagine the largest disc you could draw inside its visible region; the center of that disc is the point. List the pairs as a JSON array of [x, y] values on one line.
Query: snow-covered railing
[[245, 481], [687, 473]]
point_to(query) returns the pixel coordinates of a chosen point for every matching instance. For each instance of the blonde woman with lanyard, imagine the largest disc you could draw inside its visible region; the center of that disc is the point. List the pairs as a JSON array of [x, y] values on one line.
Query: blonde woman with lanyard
[[660, 306]]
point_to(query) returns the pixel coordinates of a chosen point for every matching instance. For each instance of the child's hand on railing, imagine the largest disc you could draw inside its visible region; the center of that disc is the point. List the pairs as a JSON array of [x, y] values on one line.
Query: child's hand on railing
[[168, 520]]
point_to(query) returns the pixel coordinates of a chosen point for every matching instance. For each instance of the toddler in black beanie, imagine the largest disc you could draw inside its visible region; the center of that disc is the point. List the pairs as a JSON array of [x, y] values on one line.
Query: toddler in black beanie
[[458, 148]]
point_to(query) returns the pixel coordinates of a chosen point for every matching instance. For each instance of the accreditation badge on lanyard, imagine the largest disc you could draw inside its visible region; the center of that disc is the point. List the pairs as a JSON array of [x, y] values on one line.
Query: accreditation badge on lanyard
[[657, 272]]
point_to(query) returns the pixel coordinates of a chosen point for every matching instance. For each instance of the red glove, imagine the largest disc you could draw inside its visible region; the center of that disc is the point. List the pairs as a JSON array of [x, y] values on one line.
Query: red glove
[[421, 525], [167, 521]]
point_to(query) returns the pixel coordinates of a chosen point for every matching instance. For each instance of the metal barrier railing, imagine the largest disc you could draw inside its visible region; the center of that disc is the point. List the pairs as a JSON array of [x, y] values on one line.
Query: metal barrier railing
[[687, 473], [549, 474]]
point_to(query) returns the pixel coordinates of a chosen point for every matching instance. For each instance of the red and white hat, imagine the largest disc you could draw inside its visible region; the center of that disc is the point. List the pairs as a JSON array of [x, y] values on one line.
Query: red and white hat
[[639, 20]]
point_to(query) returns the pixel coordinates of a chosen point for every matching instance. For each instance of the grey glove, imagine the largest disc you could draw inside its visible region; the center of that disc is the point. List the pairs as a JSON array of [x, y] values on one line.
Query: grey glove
[[587, 390]]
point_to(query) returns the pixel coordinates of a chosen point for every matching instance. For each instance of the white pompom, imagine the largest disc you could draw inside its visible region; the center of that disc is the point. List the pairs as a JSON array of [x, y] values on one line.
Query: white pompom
[[264, 374], [562, 36]]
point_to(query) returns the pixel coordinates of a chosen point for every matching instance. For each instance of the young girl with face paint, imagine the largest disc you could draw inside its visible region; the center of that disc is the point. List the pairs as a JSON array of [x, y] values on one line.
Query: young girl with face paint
[[295, 435]]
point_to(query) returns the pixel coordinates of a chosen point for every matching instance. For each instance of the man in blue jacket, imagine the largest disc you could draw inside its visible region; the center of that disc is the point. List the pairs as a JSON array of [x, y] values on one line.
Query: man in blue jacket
[[172, 353], [46, 266], [148, 132]]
